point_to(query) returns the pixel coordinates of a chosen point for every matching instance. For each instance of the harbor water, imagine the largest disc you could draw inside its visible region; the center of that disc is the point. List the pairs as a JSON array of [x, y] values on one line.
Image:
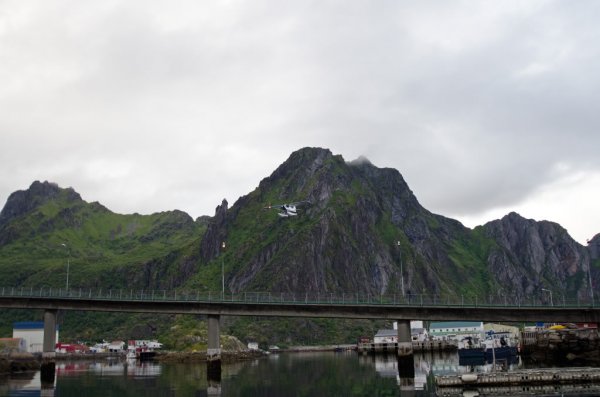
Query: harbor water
[[285, 374]]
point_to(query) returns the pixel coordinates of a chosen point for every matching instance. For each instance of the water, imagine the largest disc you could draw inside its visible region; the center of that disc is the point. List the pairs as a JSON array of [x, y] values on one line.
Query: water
[[290, 374]]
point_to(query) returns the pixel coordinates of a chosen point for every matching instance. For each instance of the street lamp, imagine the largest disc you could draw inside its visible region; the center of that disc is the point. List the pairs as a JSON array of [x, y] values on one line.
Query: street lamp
[[68, 264], [547, 290], [223, 269]]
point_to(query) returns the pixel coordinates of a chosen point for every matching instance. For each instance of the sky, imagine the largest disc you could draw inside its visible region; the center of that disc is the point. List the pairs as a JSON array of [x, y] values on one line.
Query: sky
[[485, 107]]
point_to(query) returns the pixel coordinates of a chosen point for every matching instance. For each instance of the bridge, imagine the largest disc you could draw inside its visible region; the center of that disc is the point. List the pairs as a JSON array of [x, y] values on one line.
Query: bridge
[[401, 308], [324, 305]]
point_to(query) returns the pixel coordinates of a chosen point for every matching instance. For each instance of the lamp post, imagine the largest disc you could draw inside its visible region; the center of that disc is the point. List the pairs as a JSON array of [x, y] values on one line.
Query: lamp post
[[223, 246], [547, 290], [68, 264]]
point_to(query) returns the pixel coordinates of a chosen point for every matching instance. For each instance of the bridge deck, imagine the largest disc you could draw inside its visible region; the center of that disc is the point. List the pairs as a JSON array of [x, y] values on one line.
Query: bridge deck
[[358, 306]]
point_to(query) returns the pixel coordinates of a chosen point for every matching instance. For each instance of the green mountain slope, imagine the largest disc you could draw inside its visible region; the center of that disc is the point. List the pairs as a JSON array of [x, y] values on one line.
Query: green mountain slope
[[365, 232], [104, 249]]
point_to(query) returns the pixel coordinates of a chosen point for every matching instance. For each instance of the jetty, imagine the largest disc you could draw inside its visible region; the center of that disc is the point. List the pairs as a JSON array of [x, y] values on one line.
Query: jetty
[[525, 377], [575, 389], [391, 347]]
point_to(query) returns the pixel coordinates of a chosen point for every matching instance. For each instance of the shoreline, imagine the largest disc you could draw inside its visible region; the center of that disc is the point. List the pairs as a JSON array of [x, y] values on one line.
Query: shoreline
[[18, 363], [25, 362]]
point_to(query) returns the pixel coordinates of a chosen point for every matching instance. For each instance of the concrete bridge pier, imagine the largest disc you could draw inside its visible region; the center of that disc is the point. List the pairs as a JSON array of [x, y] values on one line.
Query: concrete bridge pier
[[48, 367], [406, 361], [405, 348], [49, 344], [213, 352]]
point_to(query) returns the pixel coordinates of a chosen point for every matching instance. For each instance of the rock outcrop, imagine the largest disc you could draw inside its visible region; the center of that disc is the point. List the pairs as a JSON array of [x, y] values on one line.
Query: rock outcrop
[[530, 255]]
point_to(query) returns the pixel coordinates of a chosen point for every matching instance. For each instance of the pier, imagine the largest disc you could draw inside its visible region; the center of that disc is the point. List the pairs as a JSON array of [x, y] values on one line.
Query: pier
[[529, 377], [430, 345]]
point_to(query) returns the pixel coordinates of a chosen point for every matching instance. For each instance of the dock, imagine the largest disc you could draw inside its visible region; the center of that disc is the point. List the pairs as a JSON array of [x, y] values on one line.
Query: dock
[[526, 377], [575, 389], [438, 345]]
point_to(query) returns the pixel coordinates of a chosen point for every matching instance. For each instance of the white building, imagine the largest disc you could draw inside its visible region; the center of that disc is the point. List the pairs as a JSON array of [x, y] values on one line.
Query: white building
[[32, 332], [116, 346], [455, 329], [386, 336]]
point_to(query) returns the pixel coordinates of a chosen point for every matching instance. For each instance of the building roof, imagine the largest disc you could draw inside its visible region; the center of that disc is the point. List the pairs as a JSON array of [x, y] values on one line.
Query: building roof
[[29, 325], [386, 333], [455, 324]]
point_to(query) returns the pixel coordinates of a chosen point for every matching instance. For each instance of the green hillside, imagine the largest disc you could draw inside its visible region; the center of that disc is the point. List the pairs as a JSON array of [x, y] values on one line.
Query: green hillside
[[364, 232], [98, 244]]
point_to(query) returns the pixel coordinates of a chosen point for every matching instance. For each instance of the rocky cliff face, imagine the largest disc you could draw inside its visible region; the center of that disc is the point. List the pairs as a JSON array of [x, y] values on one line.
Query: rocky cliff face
[[366, 232], [530, 255], [23, 201], [594, 247]]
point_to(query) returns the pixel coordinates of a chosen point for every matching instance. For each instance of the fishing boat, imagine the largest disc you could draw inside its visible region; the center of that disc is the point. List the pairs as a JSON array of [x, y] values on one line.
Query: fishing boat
[[470, 348], [140, 351], [499, 345]]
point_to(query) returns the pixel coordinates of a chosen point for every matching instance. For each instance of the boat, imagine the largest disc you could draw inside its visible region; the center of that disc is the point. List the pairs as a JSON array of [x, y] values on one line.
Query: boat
[[470, 348], [140, 351], [131, 354], [499, 345]]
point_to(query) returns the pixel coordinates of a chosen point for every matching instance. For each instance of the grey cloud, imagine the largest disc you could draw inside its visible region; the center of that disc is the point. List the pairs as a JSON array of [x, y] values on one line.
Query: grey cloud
[[149, 106]]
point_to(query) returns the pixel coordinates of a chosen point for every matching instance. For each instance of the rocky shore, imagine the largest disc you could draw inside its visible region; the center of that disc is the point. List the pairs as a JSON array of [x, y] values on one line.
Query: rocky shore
[[568, 344], [193, 357], [22, 362]]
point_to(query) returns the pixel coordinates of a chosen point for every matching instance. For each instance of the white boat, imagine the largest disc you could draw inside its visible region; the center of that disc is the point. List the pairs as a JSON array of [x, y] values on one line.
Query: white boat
[[131, 354], [140, 351]]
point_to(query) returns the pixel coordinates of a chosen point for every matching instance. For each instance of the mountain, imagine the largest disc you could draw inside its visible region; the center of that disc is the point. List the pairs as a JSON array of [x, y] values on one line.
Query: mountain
[[365, 232], [107, 250], [366, 225]]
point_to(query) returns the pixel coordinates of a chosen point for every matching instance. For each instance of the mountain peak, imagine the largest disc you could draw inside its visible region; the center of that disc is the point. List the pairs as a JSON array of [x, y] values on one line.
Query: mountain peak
[[300, 166], [23, 201], [361, 160]]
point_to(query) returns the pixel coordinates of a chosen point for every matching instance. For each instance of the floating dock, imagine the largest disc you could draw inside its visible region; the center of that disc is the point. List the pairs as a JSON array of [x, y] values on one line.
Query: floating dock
[[526, 377], [417, 346], [576, 389]]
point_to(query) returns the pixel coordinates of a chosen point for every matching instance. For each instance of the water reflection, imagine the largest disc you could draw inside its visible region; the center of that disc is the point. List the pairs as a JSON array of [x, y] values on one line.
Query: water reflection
[[129, 368], [26, 384], [296, 374]]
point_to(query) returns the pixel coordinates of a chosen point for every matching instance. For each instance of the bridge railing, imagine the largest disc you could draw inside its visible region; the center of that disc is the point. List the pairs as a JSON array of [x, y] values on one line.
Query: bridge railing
[[316, 298]]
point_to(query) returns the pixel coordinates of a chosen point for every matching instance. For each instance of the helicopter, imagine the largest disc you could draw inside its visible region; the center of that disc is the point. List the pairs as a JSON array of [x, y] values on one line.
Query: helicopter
[[289, 209]]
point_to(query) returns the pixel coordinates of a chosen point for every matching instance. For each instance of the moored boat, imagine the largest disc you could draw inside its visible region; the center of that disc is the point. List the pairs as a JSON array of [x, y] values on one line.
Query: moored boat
[[470, 348], [140, 351], [499, 345]]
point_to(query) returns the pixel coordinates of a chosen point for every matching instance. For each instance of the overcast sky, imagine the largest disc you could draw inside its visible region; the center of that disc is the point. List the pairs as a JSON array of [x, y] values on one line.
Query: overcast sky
[[485, 107]]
